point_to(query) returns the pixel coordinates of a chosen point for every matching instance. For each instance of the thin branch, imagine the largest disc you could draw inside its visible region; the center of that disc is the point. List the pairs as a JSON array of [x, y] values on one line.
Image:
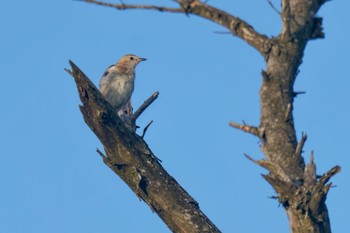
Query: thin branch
[[105, 158], [273, 7], [276, 172], [101, 154], [296, 93], [235, 25], [299, 149], [218, 32], [319, 193], [68, 71], [144, 106], [246, 128], [310, 176], [266, 76], [146, 128], [262, 163], [333, 171], [288, 113], [124, 6]]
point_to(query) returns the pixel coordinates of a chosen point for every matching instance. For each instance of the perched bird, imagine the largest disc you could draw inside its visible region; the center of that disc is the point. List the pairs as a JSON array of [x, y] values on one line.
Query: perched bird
[[117, 82]]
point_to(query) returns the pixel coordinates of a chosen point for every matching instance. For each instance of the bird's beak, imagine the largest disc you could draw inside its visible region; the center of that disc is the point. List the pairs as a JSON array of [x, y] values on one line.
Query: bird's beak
[[142, 59]]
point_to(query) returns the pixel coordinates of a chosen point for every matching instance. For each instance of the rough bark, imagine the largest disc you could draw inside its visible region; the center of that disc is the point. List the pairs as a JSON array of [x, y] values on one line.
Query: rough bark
[[128, 155], [288, 174], [301, 192]]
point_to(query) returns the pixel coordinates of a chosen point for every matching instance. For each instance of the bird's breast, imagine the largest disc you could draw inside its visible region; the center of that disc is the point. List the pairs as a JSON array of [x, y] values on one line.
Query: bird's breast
[[117, 88], [123, 84]]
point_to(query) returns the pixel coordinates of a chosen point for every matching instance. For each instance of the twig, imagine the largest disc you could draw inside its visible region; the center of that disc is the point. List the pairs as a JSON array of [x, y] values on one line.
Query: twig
[[265, 76], [288, 112], [296, 93], [273, 7], [325, 177], [246, 128], [310, 176], [218, 32], [237, 26], [100, 153], [263, 163], [276, 172], [300, 145], [124, 6], [105, 158], [144, 106], [145, 129], [68, 71]]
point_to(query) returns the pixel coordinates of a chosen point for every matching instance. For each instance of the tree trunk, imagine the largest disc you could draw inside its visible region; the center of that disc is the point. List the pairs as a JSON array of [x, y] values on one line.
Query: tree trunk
[[297, 187]]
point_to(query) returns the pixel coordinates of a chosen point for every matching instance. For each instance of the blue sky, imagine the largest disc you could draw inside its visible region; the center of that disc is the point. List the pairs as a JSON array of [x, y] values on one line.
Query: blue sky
[[51, 176]]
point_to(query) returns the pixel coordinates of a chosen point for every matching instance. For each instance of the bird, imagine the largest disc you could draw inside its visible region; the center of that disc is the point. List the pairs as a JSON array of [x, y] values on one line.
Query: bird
[[118, 81]]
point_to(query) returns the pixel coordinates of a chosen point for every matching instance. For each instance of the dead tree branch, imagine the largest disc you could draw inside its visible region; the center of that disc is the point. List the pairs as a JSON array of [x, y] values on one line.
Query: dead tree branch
[[128, 155], [144, 106], [246, 128], [235, 25]]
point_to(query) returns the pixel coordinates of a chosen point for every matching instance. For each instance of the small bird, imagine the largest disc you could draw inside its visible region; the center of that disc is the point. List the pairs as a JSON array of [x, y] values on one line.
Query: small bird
[[117, 82]]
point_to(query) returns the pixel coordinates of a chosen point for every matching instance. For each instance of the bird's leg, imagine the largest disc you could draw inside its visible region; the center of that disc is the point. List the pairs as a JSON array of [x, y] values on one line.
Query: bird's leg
[[125, 114]]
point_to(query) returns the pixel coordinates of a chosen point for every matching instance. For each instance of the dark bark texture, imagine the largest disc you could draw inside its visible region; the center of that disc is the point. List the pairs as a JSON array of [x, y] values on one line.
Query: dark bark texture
[[128, 155], [300, 191]]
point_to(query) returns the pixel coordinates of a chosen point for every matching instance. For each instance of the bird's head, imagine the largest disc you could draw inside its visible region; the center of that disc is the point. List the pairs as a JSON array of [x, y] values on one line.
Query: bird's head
[[130, 61]]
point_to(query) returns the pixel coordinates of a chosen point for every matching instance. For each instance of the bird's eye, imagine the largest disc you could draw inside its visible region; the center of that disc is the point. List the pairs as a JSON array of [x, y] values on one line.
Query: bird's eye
[[131, 58]]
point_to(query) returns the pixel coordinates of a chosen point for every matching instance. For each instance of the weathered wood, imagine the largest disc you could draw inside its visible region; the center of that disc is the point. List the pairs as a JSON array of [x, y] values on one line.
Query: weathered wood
[[128, 155]]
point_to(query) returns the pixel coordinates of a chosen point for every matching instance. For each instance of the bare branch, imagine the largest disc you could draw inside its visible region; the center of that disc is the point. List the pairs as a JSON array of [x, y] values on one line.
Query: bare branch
[[310, 172], [234, 24], [246, 128], [144, 106], [299, 149], [145, 129], [266, 76], [296, 93], [276, 172], [124, 6], [263, 163], [218, 32], [103, 156], [130, 158], [333, 171], [273, 7], [288, 114]]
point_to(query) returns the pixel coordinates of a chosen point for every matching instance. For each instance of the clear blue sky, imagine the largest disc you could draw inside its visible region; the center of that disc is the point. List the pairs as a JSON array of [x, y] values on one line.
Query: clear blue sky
[[52, 180]]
